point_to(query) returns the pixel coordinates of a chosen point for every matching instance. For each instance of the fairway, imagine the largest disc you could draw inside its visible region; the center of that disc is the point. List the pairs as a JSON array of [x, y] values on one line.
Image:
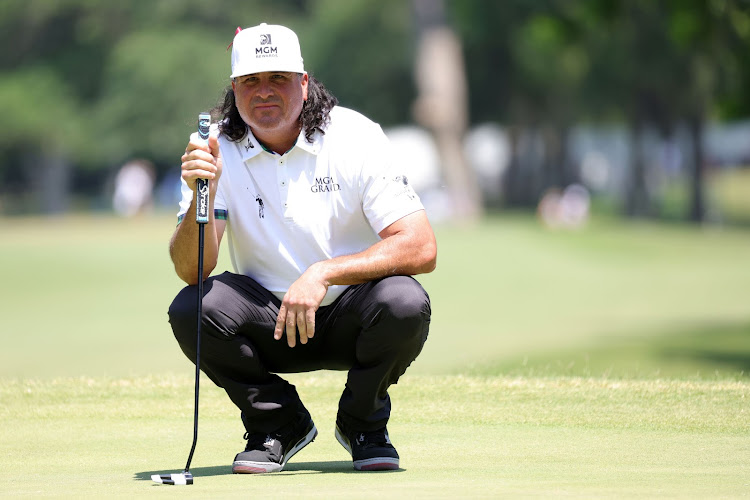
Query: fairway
[[607, 362], [89, 297]]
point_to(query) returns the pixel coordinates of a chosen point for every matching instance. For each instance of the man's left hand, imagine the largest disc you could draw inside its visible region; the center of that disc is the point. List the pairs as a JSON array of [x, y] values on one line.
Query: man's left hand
[[297, 311]]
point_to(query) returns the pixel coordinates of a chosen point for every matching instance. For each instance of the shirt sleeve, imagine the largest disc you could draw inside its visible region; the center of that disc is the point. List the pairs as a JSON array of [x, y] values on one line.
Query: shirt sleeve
[[386, 193], [185, 200]]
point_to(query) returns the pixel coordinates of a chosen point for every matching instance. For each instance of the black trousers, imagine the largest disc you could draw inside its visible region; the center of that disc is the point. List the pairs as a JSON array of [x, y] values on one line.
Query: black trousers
[[374, 330]]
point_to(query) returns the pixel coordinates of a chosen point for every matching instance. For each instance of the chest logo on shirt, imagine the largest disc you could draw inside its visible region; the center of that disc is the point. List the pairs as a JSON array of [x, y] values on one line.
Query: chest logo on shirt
[[261, 207], [325, 185]]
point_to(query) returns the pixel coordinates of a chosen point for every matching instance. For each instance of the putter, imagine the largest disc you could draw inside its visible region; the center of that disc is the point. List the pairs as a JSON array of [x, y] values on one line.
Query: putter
[[201, 218]]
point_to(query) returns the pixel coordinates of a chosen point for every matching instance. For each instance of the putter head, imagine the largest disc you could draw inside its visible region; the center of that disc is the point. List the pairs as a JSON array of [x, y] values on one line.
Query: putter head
[[182, 478]]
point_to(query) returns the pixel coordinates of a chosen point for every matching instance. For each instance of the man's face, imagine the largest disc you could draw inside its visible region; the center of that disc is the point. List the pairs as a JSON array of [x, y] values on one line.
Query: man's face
[[271, 102]]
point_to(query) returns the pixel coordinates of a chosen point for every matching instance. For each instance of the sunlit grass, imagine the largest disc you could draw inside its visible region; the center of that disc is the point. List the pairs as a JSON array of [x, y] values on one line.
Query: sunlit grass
[[610, 361], [88, 296], [538, 436]]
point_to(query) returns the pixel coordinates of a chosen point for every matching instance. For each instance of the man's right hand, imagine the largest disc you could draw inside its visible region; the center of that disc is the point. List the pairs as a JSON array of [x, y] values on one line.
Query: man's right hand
[[202, 161]]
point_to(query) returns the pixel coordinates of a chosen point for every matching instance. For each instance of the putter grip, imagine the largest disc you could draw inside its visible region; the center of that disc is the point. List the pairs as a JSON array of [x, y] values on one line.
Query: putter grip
[[201, 193]]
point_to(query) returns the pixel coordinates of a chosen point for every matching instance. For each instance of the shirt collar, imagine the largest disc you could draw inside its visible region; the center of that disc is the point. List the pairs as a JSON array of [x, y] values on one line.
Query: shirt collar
[[312, 148], [250, 147]]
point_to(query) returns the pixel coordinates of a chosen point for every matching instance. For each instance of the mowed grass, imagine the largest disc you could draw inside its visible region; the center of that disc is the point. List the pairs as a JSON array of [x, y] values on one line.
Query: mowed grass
[[458, 436], [89, 296], [611, 361], [614, 299]]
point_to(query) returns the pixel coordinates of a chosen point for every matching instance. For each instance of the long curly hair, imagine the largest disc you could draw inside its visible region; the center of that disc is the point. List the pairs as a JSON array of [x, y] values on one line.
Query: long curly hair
[[314, 116]]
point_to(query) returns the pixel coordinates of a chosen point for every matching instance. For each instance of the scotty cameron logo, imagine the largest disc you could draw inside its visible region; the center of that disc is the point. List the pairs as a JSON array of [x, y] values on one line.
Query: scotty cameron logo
[[325, 185], [203, 201]]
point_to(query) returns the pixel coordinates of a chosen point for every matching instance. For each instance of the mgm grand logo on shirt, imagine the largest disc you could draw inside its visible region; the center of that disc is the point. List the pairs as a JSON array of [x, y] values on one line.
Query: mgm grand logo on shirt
[[325, 185]]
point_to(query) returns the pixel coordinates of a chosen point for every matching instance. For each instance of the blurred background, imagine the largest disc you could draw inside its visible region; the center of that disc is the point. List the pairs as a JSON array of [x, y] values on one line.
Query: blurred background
[[642, 106], [512, 116]]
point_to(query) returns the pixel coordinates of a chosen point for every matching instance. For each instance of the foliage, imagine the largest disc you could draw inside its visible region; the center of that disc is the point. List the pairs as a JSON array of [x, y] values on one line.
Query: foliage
[[529, 60], [97, 83], [362, 51], [128, 79], [547, 64]]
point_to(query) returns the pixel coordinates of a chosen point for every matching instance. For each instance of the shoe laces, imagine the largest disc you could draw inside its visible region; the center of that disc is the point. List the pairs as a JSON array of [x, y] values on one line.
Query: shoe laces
[[258, 441], [371, 439]]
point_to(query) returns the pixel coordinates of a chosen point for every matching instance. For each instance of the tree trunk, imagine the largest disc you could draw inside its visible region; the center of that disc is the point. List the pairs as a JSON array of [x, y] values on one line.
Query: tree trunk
[[637, 199], [442, 104], [48, 175], [698, 174], [523, 181]]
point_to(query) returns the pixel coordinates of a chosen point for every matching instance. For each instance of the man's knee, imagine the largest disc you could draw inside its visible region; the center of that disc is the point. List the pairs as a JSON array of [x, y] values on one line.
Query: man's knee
[[396, 325], [182, 315], [221, 309], [403, 312], [403, 299]]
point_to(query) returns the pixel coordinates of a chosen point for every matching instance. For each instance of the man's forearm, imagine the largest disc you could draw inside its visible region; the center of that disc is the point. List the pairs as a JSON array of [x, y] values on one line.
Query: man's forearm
[[183, 248], [408, 252], [376, 262]]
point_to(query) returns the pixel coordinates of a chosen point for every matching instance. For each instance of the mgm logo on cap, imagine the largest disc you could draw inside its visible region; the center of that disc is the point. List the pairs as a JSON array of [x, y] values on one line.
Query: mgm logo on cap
[[266, 51], [266, 47]]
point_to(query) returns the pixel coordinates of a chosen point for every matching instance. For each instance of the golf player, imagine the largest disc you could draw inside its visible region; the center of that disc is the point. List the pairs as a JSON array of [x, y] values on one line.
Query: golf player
[[324, 233]]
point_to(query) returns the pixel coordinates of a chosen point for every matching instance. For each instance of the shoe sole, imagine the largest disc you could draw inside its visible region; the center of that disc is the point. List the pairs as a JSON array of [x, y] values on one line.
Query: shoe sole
[[369, 464], [247, 467]]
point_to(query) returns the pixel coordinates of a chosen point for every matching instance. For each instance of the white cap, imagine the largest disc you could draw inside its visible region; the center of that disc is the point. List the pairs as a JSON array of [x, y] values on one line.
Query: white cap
[[267, 47]]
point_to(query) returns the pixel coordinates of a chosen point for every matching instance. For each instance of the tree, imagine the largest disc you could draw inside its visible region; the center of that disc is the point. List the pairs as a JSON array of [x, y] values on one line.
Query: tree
[[442, 102], [89, 85], [673, 60], [526, 65], [544, 65]]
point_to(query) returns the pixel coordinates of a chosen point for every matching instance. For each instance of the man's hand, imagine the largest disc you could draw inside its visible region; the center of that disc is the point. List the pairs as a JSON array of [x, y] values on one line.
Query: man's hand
[[297, 311], [202, 160]]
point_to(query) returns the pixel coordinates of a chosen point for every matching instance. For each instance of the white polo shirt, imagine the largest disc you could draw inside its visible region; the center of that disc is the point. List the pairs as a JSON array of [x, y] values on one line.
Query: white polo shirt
[[317, 201]]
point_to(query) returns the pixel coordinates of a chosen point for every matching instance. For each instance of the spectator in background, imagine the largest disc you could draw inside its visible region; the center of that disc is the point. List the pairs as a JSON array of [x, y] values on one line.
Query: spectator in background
[[134, 186]]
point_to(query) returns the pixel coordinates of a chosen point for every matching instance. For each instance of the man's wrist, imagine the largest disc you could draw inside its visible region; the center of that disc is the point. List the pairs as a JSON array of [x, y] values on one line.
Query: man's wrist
[[319, 272]]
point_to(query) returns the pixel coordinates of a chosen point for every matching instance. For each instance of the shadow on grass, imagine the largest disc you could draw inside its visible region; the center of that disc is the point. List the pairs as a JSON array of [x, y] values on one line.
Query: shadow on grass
[[738, 361], [217, 470], [725, 346], [334, 467], [719, 348]]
